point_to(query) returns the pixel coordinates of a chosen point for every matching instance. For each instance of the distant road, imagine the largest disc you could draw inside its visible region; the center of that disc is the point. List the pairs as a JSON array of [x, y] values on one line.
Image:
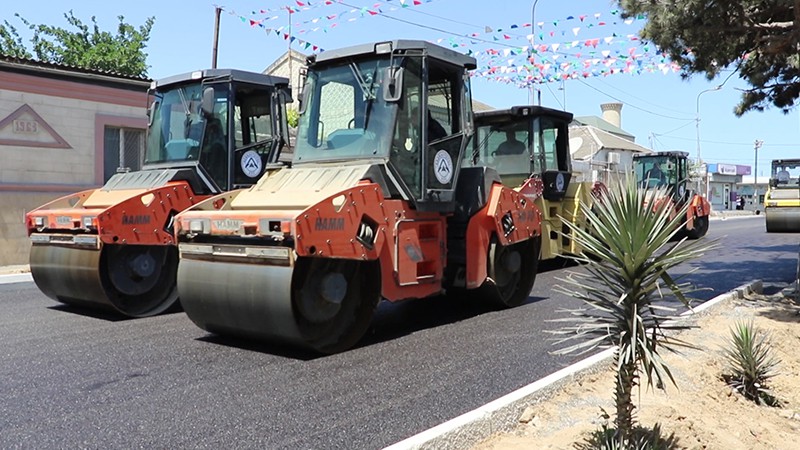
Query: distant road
[[71, 379]]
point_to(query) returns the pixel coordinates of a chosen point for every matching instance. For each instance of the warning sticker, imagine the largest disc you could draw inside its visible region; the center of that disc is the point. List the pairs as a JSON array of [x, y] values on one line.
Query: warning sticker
[[251, 164], [443, 167]]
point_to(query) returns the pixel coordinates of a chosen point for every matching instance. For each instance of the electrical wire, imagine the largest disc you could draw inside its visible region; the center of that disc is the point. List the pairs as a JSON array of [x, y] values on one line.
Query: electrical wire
[[631, 105], [440, 30]]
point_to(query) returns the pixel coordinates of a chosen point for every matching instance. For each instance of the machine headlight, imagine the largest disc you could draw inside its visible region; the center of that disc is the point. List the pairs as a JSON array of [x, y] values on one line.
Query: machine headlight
[[772, 203], [86, 240], [40, 238], [38, 222], [88, 221], [199, 225]]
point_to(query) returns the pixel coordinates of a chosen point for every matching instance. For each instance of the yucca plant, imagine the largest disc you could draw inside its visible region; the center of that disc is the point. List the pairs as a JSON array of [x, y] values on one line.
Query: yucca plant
[[751, 363], [627, 256], [643, 439]]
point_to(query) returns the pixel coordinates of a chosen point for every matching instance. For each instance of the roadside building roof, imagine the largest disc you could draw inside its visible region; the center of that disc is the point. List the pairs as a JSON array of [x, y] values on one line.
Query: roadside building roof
[[604, 125], [65, 71], [584, 141]]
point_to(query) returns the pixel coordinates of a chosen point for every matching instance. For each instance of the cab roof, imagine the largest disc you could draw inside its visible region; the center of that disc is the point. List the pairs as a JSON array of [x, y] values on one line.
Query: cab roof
[[672, 153], [498, 115], [223, 75], [398, 45]]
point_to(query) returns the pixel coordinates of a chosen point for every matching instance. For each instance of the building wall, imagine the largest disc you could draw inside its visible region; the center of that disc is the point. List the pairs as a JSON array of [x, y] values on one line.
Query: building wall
[[51, 143]]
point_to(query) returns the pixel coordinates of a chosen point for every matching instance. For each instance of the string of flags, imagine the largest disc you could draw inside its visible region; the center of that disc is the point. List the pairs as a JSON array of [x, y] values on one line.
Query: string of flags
[[517, 53]]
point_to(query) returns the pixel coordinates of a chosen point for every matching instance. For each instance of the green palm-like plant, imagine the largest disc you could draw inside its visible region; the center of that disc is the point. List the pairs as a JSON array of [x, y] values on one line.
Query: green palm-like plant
[[751, 363], [627, 256]]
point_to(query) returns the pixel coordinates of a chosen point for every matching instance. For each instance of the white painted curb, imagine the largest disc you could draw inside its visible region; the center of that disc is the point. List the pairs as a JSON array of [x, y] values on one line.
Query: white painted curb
[[15, 278], [502, 414]]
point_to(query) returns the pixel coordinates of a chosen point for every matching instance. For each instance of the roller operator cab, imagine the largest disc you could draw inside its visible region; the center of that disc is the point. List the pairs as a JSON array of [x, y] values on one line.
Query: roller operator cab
[[670, 170], [208, 132], [529, 148], [782, 200], [376, 204]]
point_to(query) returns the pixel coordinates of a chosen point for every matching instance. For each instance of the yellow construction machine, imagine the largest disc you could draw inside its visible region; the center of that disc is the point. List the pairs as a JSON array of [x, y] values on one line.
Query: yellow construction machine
[[529, 148], [376, 205], [782, 200]]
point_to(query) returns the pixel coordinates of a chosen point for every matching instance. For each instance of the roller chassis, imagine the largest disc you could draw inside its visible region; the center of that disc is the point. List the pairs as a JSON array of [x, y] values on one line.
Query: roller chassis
[[379, 209]]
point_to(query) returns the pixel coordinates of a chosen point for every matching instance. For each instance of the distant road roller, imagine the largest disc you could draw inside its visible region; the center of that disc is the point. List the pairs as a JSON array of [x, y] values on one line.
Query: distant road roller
[[209, 131], [529, 148], [782, 200], [670, 170], [376, 205]]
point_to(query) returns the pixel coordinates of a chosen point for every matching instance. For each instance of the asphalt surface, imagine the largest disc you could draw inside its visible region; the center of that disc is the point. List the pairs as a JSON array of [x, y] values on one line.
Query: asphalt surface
[[73, 378]]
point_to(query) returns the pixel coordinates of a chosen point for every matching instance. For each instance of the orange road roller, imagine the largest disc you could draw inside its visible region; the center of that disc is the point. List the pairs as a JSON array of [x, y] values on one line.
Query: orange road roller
[[208, 132], [376, 204]]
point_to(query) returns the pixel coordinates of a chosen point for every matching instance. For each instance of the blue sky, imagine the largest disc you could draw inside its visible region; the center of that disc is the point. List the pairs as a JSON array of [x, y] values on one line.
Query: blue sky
[[659, 109]]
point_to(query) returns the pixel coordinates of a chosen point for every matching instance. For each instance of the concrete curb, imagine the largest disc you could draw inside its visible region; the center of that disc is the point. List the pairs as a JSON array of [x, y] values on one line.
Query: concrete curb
[[502, 414], [15, 278], [737, 216]]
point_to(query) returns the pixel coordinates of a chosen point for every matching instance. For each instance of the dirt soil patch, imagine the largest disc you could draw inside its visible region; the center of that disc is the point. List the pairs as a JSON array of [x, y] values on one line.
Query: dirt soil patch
[[702, 412]]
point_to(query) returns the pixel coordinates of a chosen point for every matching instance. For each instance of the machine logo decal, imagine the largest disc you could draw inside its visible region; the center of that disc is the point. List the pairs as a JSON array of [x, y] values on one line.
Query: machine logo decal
[[138, 219], [64, 220], [251, 164], [443, 167], [329, 224], [228, 224], [560, 182]]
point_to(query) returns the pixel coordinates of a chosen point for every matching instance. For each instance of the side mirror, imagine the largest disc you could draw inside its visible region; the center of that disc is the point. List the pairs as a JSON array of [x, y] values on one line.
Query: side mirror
[[393, 84], [303, 101], [208, 101], [151, 112]]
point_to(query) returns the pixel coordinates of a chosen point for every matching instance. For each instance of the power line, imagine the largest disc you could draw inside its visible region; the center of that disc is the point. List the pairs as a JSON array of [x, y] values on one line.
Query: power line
[[674, 130], [600, 80], [748, 144], [631, 105], [440, 30]]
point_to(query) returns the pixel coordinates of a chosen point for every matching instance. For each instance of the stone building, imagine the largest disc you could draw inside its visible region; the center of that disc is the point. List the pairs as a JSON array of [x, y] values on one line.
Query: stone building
[[62, 130]]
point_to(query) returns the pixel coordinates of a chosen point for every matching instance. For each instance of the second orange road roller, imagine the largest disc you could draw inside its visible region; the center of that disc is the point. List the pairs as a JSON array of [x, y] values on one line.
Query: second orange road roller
[[209, 131], [669, 170], [376, 205]]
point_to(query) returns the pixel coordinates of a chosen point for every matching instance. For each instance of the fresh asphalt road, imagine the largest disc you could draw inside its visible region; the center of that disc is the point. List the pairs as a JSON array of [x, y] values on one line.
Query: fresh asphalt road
[[74, 379]]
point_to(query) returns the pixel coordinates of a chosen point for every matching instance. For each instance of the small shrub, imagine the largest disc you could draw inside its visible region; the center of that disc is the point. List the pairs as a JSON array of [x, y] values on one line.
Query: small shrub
[[751, 363], [607, 438]]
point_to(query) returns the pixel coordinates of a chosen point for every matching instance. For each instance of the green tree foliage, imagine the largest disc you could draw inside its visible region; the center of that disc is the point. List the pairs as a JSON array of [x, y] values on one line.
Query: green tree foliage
[[83, 45], [759, 38], [292, 117], [10, 42]]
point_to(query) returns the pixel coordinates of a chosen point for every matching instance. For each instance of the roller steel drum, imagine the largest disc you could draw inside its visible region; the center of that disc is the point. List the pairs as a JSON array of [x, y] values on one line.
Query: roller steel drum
[[782, 219], [137, 281], [320, 304]]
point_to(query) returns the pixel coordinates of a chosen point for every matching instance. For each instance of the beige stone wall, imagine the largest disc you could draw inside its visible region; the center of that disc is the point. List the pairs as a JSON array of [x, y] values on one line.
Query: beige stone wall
[[73, 120], [14, 243]]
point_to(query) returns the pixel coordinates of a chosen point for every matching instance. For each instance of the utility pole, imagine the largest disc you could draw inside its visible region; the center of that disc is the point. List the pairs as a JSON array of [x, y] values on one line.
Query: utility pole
[[757, 145], [704, 180], [533, 52], [217, 11]]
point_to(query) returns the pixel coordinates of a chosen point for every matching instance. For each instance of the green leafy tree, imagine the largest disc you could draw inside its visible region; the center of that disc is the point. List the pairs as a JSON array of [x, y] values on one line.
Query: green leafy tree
[[10, 42], [758, 38], [292, 117], [83, 45], [629, 249]]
